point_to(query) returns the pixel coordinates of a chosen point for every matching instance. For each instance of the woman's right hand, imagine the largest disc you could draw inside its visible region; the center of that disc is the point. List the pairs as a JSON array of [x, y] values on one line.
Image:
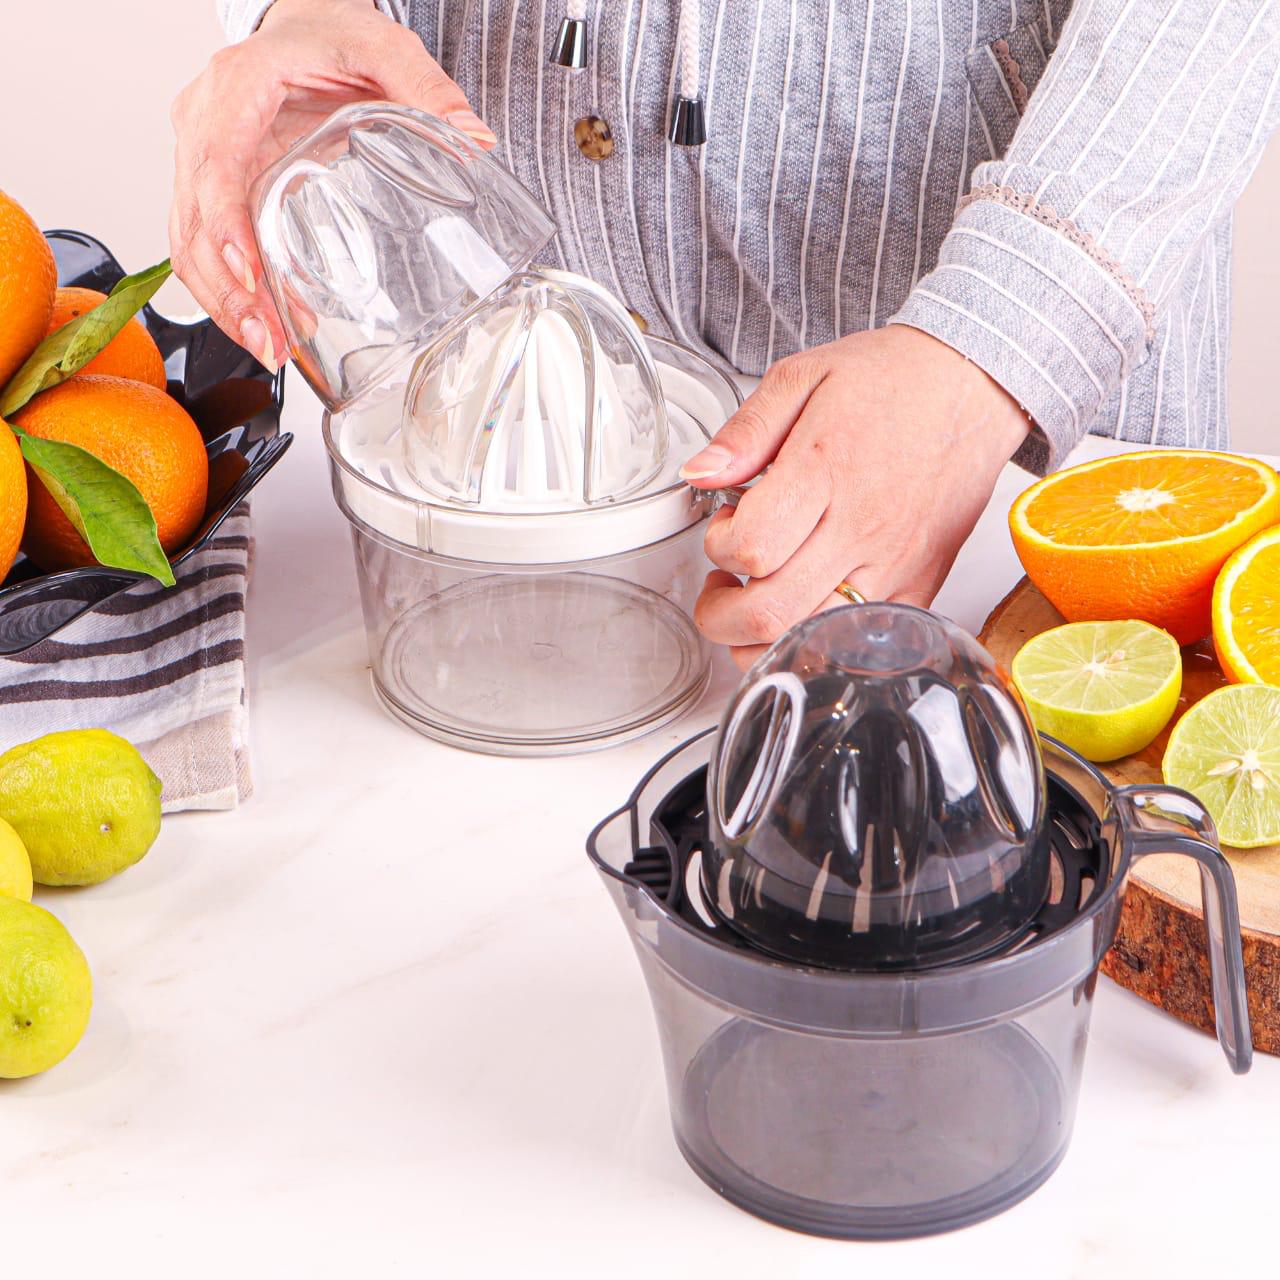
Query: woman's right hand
[[248, 106]]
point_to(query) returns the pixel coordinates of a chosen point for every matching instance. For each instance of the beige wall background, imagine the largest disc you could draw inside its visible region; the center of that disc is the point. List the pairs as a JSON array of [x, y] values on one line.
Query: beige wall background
[[85, 142]]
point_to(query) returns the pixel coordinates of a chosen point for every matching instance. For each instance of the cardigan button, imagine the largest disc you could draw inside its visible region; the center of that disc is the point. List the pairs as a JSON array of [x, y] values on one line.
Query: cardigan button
[[594, 137]]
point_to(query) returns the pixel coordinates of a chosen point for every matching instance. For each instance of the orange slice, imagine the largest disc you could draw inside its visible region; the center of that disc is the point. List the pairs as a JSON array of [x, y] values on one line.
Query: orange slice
[[1142, 535], [1246, 612]]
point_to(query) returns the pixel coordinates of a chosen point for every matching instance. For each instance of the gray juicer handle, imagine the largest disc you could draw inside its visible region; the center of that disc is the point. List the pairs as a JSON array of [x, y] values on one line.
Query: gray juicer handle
[[1168, 820]]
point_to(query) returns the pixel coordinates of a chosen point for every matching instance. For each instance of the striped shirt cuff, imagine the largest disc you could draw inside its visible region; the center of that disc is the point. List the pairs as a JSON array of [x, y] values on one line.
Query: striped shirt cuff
[[1037, 306], [241, 18]]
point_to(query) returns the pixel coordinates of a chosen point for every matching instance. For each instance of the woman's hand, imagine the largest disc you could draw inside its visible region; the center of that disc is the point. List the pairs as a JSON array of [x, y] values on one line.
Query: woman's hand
[[248, 106], [882, 448]]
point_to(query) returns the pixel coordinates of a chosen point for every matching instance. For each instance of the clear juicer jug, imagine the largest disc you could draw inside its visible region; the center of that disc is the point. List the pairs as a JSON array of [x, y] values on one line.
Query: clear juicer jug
[[502, 439], [518, 627]]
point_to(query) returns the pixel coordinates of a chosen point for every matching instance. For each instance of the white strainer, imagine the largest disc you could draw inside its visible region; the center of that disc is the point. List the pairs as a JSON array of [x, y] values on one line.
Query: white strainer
[[376, 482]]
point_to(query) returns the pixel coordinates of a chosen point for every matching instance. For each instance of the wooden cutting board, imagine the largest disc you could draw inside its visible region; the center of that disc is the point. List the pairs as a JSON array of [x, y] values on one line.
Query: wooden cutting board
[[1159, 951]]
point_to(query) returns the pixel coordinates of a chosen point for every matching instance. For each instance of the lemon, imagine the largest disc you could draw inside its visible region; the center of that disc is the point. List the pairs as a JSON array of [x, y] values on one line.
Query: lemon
[[83, 802], [1226, 752], [1105, 689], [15, 866], [45, 990]]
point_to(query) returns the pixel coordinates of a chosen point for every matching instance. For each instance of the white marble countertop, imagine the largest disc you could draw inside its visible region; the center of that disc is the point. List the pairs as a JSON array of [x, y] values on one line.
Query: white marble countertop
[[383, 1020]]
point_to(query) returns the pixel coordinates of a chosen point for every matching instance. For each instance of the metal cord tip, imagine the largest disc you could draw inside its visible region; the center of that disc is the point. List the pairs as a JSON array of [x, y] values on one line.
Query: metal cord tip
[[570, 49], [688, 122]]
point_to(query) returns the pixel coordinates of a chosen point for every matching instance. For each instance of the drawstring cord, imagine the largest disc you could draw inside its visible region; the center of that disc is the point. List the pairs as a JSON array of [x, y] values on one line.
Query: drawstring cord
[[689, 113]]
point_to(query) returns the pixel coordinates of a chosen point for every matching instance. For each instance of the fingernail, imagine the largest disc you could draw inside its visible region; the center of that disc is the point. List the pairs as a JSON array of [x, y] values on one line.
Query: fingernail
[[239, 265], [472, 125], [258, 339], [710, 462]]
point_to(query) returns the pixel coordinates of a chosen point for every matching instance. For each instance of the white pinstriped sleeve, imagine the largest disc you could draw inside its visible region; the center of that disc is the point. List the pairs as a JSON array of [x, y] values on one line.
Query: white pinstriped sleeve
[[1063, 260], [240, 18]]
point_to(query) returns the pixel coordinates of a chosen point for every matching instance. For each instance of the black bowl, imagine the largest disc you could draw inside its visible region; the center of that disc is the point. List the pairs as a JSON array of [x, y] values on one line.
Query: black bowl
[[234, 401]]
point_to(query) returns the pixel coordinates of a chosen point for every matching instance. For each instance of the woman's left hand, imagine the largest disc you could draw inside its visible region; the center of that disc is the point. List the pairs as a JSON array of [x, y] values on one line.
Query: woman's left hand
[[882, 451]]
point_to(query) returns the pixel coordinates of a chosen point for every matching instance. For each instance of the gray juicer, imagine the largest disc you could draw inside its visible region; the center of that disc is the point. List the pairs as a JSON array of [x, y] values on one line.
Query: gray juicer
[[870, 910]]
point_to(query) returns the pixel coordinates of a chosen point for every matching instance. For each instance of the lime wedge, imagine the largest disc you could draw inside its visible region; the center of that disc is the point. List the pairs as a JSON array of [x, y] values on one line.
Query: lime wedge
[[1105, 689], [1226, 752]]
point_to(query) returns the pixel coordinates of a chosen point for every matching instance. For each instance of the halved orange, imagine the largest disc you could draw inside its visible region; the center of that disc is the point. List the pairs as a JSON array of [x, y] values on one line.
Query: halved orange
[[1246, 612], [1142, 535]]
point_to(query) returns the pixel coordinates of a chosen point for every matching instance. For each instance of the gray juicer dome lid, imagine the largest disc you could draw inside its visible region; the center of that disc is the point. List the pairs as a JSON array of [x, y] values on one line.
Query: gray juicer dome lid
[[876, 797]]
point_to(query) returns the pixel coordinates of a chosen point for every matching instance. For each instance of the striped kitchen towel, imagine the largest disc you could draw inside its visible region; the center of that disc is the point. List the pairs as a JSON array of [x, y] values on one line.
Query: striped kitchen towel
[[163, 668]]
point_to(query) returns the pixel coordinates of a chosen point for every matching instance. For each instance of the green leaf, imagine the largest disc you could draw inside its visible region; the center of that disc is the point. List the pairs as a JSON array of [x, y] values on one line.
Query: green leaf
[[106, 508], [69, 349]]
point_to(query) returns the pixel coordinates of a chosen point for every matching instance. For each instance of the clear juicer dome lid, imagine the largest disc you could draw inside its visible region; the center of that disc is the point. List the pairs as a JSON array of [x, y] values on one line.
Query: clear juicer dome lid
[[377, 230], [876, 797]]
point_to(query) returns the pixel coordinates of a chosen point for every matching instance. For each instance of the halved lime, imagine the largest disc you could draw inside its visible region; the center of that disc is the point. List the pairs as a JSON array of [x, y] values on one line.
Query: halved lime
[[1103, 688], [1226, 752]]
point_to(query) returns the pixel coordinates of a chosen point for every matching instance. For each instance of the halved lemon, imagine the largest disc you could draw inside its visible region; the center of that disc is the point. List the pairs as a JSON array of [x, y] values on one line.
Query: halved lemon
[[1246, 612], [1106, 689], [1226, 751], [1142, 535]]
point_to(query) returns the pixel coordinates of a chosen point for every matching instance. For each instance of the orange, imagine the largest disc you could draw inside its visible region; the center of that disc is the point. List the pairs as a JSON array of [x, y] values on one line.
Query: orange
[[1142, 535], [132, 353], [1246, 612], [28, 278], [13, 498], [132, 427]]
